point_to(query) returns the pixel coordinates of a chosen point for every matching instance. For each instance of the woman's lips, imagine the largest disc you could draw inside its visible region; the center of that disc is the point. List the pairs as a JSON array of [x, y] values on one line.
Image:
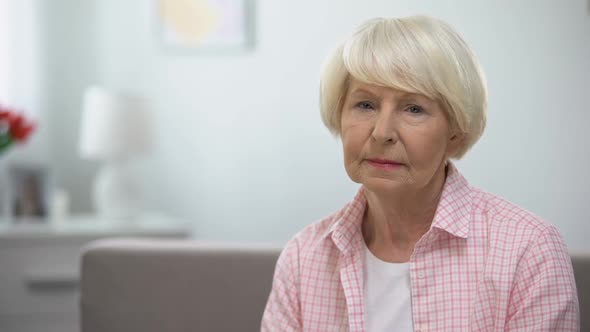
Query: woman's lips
[[384, 164]]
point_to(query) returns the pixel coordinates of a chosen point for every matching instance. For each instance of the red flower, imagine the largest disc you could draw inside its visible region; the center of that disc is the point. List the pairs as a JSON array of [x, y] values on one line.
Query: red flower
[[20, 129], [14, 127]]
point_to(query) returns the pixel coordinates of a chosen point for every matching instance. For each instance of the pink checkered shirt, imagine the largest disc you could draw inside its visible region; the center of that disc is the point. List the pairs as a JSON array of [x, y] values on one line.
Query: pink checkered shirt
[[484, 265]]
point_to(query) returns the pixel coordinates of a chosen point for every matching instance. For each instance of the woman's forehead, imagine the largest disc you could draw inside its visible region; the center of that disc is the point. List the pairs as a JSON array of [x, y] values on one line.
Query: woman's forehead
[[358, 87]]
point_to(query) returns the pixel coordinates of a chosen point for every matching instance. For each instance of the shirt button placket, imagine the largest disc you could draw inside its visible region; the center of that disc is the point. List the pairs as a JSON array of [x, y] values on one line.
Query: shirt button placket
[[420, 275]]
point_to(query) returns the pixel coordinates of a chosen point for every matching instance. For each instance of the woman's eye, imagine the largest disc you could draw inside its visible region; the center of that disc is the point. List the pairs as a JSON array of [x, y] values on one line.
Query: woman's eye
[[414, 109], [364, 105]]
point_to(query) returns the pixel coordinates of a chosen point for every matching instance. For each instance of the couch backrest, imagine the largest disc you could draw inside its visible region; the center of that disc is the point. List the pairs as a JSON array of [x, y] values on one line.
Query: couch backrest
[[581, 264], [162, 285], [179, 285]]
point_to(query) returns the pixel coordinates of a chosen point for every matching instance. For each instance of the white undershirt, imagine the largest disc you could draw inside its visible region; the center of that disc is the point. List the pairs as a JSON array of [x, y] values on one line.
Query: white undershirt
[[387, 298]]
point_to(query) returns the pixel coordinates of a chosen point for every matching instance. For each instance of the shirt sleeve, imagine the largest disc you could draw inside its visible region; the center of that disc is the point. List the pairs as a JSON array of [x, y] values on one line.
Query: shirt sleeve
[[544, 297], [283, 312]]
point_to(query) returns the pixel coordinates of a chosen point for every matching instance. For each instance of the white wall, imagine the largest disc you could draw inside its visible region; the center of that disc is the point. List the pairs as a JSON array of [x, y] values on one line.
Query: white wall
[[21, 75], [241, 149], [68, 48]]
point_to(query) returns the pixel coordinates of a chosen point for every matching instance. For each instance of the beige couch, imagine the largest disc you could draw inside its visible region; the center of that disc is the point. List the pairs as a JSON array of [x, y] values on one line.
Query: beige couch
[[175, 285]]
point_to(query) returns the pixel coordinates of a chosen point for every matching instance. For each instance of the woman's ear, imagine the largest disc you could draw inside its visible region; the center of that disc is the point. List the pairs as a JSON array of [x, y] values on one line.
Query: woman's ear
[[455, 142], [457, 136]]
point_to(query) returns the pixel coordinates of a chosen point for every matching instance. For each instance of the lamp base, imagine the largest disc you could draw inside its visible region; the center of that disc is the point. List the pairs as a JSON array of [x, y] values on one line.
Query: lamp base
[[116, 193]]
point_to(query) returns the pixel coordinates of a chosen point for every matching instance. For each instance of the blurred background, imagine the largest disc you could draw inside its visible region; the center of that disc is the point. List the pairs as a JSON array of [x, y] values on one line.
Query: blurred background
[[238, 148]]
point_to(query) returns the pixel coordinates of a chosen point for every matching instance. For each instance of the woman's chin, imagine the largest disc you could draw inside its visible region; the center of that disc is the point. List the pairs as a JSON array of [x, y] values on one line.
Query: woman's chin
[[384, 185]]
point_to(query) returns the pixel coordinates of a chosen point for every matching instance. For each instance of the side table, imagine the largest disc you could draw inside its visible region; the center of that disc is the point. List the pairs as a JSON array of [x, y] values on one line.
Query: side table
[[39, 267]]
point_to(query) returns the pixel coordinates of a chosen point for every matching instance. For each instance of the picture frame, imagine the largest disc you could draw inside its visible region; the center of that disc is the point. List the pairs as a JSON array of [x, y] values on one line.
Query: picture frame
[[204, 26], [27, 197]]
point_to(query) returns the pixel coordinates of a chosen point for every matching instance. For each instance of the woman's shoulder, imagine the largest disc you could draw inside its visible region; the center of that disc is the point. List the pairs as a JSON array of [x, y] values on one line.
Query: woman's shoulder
[[501, 216], [316, 235], [319, 229]]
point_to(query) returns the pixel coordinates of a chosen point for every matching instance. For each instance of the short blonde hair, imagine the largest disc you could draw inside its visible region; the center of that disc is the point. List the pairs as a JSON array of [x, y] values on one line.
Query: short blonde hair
[[416, 54]]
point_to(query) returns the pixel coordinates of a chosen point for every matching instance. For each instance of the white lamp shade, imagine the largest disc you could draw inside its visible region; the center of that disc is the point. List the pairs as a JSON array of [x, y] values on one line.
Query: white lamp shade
[[113, 126]]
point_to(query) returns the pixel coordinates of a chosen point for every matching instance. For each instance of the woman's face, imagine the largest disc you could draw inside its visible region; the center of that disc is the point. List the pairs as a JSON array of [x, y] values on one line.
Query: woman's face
[[394, 140]]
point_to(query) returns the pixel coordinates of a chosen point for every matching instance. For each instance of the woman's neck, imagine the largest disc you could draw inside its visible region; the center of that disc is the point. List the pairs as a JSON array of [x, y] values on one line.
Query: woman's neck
[[393, 224]]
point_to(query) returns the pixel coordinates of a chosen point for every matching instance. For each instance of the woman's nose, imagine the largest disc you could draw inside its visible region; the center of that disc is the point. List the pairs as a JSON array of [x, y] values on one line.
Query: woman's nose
[[384, 130]]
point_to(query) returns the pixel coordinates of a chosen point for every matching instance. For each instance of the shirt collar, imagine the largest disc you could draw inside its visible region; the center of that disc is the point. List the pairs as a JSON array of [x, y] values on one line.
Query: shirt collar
[[454, 208], [346, 230], [452, 213]]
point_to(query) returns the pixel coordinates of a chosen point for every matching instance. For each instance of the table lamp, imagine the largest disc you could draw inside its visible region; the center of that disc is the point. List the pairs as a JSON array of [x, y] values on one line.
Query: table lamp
[[115, 128]]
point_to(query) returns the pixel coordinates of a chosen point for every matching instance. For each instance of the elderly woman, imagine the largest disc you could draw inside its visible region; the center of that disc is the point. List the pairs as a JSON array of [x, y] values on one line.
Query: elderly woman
[[418, 248]]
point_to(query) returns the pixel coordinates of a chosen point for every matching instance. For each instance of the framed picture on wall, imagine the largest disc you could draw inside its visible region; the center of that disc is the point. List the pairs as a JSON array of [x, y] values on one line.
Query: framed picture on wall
[[205, 25], [28, 194]]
